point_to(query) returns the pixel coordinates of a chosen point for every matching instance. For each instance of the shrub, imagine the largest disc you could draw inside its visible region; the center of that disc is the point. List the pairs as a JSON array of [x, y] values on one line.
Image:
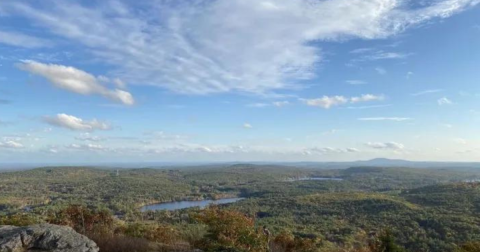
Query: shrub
[[155, 233], [19, 219], [469, 247], [84, 220], [286, 242], [120, 243], [230, 231]]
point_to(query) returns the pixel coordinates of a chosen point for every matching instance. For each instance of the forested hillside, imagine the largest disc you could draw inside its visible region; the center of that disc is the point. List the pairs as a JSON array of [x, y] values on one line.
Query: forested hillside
[[304, 209]]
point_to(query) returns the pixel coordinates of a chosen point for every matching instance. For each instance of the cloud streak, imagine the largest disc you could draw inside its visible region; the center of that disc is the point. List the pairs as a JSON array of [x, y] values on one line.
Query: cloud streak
[[395, 119], [77, 124], [386, 146], [425, 92], [22, 40], [327, 102], [444, 101], [11, 145], [77, 81]]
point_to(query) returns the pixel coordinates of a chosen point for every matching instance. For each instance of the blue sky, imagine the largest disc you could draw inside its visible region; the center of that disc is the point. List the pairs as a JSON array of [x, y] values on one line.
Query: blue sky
[[239, 80]]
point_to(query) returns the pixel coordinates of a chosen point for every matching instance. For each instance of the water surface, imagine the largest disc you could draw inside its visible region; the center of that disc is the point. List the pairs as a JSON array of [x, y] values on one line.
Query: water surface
[[188, 204], [314, 178]]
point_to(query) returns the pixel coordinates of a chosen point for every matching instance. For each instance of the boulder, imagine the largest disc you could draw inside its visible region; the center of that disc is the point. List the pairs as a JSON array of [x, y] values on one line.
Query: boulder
[[44, 237]]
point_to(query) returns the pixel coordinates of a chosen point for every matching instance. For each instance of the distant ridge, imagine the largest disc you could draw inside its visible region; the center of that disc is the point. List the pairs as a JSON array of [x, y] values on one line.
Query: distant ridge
[[385, 162], [376, 162]]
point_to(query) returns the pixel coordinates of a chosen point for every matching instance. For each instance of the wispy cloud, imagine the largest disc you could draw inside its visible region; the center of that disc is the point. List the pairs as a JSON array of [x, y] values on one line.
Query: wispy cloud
[[409, 75], [444, 101], [356, 82], [86, 147], [381, 70], [277, 104], [328, 150], [395, 119], [327, 102], [90, 138], [425, 92], [10, 144], [380, 55], [370, 106], [367, 98], [77, 81], [281, 103], [22, 40], [386, 146], [446, 125], [247, 126], [258, 105], [194, 48]]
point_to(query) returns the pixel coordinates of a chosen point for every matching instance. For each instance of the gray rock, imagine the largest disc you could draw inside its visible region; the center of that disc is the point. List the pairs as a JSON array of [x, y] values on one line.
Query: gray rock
[[44, 237]]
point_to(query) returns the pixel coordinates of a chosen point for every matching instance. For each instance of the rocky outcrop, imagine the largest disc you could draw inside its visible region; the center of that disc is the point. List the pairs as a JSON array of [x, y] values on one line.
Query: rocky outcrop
[[44, 237]]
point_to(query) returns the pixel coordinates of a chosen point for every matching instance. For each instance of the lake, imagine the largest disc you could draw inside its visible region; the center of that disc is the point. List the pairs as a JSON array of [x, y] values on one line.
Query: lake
[[314, 178], [188, 204]]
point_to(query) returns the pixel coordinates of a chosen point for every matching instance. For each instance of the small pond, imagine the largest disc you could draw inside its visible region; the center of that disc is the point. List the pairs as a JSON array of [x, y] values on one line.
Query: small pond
[[314, 178], [188, 204]]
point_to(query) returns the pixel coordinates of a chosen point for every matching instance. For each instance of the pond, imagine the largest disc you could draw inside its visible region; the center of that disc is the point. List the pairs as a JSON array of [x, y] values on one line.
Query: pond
[[188, 204], [314, 178]]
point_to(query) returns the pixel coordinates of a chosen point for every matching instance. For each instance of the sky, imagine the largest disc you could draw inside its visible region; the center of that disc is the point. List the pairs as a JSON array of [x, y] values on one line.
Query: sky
[[239, 80]]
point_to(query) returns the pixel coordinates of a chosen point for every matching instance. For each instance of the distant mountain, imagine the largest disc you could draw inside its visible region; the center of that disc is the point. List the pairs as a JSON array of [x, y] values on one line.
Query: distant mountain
[[385, 162], [377, 162]]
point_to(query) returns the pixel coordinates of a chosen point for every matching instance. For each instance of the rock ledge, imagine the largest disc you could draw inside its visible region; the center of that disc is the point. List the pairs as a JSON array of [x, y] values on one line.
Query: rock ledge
[[44, 237]]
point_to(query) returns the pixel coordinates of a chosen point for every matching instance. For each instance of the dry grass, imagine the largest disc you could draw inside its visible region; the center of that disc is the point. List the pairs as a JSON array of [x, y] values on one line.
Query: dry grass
[[120, 243]]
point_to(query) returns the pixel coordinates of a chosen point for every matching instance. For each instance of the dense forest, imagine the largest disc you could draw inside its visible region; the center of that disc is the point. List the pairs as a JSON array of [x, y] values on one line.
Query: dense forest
[[284, 209]]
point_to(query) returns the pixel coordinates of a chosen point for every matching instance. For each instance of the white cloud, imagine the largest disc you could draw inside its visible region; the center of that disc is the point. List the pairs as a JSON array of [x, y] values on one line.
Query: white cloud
[[160, 135], [326, 101], [223, 46], [52, 151], [75, 123], [362, 50], [356, 82], [373, 55], [247, 126], [430, 91], [386, 146], [396, 119], [444, 101], [11, 144], [21, 40], [330, 101], [77, 81], [367, 98], [352, 150], [89, 137], [86, 147], [328, 150]]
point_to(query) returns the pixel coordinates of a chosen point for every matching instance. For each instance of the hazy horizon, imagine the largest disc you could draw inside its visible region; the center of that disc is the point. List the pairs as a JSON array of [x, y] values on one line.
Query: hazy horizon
[[239, 81]]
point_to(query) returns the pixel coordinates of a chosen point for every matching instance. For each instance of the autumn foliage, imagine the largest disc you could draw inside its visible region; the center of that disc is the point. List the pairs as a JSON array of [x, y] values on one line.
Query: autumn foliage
[[230, 231], [83, 219]]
